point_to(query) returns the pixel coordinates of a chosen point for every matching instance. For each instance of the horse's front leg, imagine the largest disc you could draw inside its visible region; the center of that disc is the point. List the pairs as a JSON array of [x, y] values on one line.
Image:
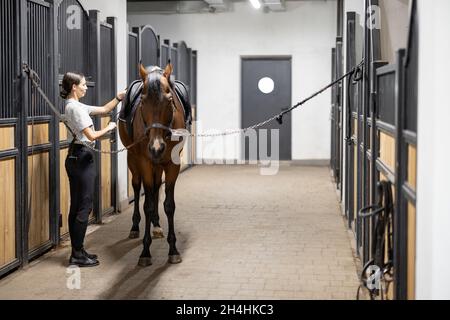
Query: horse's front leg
[[146, 259], [157, 230], [134, 233], [169, 208]]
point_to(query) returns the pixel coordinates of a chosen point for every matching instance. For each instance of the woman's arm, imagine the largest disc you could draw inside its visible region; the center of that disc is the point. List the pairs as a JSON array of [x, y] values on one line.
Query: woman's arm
[[107, 108], [94, 135]]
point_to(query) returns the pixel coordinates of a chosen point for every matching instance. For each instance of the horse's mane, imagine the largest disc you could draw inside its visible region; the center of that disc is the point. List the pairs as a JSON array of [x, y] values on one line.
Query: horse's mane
[[154, 83]]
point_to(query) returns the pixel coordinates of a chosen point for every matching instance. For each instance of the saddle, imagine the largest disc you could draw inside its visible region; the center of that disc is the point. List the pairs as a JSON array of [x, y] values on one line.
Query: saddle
[[133, 98]]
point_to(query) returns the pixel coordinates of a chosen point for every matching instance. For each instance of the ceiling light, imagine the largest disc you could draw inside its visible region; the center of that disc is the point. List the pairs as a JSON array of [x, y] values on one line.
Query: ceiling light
[[256, 4]]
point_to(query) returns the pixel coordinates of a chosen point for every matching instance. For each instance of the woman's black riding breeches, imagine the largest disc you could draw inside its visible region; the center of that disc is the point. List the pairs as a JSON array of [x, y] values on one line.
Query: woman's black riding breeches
[[80, 169]]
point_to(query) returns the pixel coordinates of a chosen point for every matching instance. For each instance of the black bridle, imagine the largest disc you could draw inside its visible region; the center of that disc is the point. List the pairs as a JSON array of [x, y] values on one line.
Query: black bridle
[[157, 125]]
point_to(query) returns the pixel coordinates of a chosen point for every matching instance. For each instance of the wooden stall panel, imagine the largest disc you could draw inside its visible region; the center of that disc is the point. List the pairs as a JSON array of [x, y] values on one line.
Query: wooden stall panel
[[106, 174], [64, 195], [411, 257], [6, 138], [105, 121], [7, 212], [63, 132], [39, 133], [38, 187], [387, 150], [412, 166]]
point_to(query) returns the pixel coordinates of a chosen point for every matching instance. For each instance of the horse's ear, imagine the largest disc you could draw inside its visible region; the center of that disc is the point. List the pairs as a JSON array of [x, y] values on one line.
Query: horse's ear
[[168, 71], [143, 73]]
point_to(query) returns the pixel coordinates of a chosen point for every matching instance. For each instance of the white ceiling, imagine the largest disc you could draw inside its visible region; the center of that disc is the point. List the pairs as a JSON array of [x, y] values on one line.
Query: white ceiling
[[199, 6]]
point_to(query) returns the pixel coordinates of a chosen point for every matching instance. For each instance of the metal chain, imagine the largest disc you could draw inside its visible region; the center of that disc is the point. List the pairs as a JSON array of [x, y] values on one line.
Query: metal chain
[[184, 132], [278, 117]]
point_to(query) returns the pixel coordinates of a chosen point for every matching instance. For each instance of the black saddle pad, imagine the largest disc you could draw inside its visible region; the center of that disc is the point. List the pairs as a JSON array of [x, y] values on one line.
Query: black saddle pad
[[130, 103], [183, 95]]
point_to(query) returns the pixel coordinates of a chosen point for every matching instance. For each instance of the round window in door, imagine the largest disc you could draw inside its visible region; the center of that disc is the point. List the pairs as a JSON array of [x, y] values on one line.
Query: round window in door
[[266, 85]]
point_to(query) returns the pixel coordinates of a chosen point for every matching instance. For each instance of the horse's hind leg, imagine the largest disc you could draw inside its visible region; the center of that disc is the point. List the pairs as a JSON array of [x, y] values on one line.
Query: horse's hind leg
[[169, 207], [157, 230], [137, 182]]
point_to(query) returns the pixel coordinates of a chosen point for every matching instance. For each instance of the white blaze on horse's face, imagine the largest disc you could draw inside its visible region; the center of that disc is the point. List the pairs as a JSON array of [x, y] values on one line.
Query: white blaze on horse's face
[[157, 148]]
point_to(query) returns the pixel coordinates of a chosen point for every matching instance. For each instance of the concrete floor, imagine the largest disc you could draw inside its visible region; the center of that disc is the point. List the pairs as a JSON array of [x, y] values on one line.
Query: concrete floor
[[241, 236]]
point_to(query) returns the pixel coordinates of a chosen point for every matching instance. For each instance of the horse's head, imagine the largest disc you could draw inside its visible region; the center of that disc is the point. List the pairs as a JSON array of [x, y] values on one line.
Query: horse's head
[[157, 107]]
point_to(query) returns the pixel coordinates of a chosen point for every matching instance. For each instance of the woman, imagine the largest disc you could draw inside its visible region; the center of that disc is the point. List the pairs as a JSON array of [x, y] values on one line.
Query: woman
[[80, 161]]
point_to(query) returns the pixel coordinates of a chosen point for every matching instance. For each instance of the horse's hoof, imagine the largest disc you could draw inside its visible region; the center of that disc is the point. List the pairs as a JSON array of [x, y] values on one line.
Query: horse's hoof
[[158, 233], [145, 261], [133, 235], [175, 259]]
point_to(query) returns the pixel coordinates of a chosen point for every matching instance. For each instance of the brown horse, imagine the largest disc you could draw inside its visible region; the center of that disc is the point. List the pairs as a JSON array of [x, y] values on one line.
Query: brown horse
[[159, 111]]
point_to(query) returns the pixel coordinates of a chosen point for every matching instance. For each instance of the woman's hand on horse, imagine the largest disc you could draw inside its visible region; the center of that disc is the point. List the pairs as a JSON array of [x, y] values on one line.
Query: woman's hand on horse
[[112, 126], [121, 94]]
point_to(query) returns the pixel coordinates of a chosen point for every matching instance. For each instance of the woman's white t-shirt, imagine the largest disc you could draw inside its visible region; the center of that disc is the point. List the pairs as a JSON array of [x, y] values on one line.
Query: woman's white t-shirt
[[78, 116]]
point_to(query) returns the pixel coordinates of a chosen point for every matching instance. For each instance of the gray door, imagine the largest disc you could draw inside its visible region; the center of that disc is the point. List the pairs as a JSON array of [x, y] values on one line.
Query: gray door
[[258, 106]]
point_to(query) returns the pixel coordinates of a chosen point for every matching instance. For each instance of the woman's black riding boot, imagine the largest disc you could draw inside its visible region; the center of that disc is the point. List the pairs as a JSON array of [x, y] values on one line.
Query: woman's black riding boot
[[89, 255], [78, 258]]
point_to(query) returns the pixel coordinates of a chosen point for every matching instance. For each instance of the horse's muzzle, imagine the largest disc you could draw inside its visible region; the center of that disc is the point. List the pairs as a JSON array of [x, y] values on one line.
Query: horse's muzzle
[[157, 150]]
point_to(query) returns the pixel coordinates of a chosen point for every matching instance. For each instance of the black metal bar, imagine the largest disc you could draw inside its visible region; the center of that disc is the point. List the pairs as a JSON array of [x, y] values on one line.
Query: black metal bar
[[386, 127], [340, 118], [137, 31], [409, 193], [22, 196], [106, 24], [17, 107], [114, 158], [340, 18], [349, 145], [39, 119], [385, 170], [385, 69], [333, 115], [40, 249], [9, 154], [56, 136], [410, 137], [400, 219], [40, 148], [95, 68], [10, 266]]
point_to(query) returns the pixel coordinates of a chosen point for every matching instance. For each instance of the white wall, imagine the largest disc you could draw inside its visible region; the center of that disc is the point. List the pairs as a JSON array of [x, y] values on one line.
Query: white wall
[[433, 205], [306, 32], [118, 9]]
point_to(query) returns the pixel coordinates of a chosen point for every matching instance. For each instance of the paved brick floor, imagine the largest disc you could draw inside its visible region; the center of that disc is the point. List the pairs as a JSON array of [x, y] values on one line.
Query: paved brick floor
[[241, 235]]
